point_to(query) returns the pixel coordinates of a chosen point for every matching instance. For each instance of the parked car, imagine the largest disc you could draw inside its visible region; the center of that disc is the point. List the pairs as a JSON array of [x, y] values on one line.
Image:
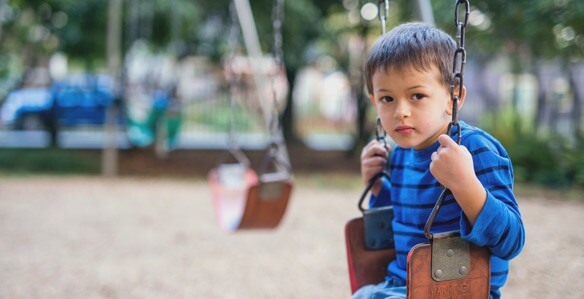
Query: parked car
[[27, 109], [78, 100], [83, 100]]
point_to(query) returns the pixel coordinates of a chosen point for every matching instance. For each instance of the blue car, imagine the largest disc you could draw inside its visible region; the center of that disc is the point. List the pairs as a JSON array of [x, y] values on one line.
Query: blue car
[[80, 100], [27, 109], [83, 100]]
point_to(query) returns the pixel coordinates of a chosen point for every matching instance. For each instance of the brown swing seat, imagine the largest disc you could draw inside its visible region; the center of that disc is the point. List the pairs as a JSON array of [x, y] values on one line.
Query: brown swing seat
[[249, 202], [422, 281], [370, 267], [447, 268]]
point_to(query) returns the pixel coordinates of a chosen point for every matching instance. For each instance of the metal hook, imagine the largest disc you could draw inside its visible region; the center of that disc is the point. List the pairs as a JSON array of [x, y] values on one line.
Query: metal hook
[[383, 12], [380, 133]]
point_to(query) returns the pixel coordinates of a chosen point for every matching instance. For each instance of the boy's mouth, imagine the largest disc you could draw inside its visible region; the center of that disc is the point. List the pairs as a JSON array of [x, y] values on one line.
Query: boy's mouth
[[404, 130]]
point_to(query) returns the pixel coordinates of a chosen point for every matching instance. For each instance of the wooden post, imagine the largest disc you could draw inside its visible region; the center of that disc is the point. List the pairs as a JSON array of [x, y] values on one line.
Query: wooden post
[[113, 54]]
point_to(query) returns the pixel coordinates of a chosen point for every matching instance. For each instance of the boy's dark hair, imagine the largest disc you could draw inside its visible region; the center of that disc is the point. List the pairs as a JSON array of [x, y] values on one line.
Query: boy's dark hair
[[416, 45]]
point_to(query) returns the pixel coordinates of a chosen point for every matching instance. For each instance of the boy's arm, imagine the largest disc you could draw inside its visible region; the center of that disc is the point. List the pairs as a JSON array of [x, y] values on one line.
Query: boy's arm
[[484, 192], [452, 166], [383, 198]]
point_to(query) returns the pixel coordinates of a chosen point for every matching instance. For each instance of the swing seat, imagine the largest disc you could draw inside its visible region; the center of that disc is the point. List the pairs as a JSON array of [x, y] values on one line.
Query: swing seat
[[365, 266], [244, 201], [370, 267], [464, 273]]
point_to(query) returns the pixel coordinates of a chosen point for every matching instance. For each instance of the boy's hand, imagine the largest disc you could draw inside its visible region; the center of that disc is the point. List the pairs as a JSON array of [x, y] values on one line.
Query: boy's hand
[[451, 163], [452, 166], [373, 159]]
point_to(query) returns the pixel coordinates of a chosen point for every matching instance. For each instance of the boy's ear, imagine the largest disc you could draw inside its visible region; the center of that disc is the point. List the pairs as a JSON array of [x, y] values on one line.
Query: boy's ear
[[372, 99], [461, 99]]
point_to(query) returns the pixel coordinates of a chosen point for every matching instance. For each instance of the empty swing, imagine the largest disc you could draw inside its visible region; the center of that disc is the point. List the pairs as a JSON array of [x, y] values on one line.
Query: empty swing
[[244, 199], [446, 267]]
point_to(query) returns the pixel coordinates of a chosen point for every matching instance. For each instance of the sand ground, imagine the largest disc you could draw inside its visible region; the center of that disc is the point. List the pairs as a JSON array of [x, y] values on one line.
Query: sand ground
[[88, 237]]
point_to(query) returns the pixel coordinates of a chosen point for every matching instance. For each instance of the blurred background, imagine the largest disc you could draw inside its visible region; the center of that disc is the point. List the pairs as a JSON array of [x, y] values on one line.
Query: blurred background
[[155, 71], [94, 93]]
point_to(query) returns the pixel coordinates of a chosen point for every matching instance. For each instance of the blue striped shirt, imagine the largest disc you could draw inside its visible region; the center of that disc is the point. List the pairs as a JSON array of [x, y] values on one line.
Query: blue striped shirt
[[413, 191]]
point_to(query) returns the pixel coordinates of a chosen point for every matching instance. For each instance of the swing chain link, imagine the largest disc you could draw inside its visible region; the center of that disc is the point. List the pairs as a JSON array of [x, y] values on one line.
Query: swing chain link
[[277, 141], [277, 23], [458, 64], [232, 81], [457, 78], [277, 51], [383, 13]]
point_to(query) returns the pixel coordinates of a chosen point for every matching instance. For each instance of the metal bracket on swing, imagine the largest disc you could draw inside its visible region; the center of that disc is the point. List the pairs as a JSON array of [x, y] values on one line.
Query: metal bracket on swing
[[450, 256], [272, 183], [272, 186], [450, 252]]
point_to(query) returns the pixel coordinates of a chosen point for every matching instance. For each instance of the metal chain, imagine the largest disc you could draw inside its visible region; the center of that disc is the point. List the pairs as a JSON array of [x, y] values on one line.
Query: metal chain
[[275, 153], [233, 45], [457, 78], [458, 64], [278, 53], [277, 22], [383, 13], [233, 41]]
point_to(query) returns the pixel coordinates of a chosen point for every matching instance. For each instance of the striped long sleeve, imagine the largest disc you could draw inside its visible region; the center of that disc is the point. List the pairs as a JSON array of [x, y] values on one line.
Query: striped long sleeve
[[413, 191]]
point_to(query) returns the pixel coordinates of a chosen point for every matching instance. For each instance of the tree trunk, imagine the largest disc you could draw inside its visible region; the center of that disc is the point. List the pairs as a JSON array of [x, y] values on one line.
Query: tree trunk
[[287, 116], [541, 100], [577, 105]]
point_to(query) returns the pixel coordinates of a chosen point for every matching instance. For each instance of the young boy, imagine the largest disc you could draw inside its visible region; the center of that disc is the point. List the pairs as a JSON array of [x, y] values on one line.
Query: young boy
[[408, 74]]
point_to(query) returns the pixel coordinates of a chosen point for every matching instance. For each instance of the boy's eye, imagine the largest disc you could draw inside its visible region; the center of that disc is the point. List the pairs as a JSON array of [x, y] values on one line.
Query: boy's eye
[[386, 99], [418, 96]]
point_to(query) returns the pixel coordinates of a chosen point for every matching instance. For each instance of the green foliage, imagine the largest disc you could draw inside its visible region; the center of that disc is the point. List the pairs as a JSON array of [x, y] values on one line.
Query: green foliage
[[524, 29], [47, 161], [537, 158], [219, 120]]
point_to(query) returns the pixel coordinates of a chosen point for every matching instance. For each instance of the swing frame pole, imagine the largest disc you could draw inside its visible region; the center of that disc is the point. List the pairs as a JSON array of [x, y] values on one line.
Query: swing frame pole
[[252, 45]]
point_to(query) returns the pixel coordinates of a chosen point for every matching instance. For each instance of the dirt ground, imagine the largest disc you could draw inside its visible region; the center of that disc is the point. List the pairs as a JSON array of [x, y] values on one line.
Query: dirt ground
[[87, 237]]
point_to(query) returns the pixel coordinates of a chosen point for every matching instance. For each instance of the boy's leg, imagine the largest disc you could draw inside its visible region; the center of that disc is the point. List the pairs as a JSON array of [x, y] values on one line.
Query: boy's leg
[[390, 289]]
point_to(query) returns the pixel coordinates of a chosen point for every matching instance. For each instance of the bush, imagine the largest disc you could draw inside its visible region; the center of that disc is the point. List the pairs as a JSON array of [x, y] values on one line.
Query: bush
[[537, 158], [47, 161]]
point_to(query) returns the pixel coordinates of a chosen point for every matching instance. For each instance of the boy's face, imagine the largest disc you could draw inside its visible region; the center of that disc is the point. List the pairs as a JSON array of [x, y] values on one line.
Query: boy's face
[[414, 106]]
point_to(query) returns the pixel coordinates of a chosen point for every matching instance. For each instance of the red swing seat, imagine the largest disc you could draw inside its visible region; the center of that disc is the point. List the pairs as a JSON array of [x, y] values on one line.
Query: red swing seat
[[244, 201], [365, 266]]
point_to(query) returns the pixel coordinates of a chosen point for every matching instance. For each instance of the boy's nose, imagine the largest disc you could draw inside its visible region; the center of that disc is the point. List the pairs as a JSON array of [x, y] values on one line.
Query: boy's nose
[[402, 110]]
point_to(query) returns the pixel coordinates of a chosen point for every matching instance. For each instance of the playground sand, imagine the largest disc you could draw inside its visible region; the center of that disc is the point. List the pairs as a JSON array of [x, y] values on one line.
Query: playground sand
[[88, 237]]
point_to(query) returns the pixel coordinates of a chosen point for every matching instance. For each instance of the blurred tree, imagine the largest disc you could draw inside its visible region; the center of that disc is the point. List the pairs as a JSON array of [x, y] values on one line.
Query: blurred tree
[[304, 22], [524, 30], [529, 32]]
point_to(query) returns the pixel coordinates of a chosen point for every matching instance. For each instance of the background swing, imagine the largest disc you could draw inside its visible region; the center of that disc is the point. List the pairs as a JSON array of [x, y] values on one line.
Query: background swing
[[447, 267], [242, 197]]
